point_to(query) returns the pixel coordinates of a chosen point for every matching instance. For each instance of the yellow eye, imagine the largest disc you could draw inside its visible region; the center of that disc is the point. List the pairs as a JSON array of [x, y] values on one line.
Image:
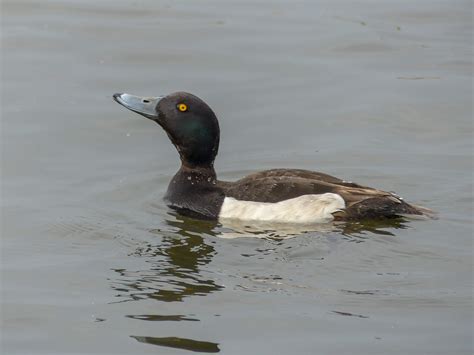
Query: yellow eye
[[182, 107]]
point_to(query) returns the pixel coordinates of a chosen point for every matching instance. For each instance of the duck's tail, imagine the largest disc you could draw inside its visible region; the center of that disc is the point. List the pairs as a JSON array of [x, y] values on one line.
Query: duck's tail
[[384, 207], [421, 213]]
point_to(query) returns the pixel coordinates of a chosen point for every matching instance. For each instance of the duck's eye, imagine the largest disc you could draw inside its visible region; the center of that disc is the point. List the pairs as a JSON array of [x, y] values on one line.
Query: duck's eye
[[182, 107]]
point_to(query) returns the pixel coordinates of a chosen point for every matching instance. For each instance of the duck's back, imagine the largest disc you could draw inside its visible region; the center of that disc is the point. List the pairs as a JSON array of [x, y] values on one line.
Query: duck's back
[[278, 185]]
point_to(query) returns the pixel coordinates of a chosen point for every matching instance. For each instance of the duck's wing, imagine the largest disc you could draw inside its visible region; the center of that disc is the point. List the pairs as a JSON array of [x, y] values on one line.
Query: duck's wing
[[287, 173], [280, 184], [361, 202], [278, 188]]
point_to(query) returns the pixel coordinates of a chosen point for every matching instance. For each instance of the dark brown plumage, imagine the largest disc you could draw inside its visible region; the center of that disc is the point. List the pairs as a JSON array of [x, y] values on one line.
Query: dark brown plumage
[[280, 184]]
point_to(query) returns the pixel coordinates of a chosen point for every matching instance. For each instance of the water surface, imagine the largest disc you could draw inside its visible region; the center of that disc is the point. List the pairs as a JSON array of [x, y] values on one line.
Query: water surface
[[94, 263]]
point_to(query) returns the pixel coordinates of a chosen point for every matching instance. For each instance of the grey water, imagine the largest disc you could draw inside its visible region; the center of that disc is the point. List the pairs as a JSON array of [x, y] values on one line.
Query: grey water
[[93, 262]]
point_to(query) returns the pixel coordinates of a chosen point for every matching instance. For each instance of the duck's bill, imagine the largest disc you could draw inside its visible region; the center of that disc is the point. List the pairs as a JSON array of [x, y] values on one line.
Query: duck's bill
[[145, 106]]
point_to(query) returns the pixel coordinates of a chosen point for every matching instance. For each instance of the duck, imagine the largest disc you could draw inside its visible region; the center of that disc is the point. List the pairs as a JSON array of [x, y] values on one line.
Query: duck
[[276, 195]]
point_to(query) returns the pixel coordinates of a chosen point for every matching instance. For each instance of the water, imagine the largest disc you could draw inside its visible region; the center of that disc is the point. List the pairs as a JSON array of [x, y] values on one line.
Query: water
[[94, 263]]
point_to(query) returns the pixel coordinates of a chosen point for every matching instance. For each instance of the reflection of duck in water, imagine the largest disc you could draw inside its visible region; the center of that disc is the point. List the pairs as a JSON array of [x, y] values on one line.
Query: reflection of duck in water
[[175, 266], [351, 229], [280, 195]]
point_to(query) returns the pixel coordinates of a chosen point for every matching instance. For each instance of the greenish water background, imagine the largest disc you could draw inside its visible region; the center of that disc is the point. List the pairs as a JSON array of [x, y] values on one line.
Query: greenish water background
[[94, 263]]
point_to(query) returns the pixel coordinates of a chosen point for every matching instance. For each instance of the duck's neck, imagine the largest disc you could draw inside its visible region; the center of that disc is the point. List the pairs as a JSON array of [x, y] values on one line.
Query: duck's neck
[[190, 180], [202, 174], [194, 191]]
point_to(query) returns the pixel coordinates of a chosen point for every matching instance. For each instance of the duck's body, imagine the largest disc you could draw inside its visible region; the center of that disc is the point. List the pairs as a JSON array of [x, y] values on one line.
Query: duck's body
[[198, 193], [278, 195]]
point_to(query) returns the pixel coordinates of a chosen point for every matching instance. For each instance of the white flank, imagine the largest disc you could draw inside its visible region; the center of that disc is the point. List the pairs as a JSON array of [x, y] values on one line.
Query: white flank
[[303, 209]]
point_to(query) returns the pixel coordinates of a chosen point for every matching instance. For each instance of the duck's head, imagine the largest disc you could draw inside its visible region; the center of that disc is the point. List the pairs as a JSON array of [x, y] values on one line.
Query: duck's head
[[189, 122]]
